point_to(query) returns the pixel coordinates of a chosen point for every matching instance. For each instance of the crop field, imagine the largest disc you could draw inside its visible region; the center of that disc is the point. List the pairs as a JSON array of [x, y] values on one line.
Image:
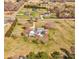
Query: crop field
[[61, 36]]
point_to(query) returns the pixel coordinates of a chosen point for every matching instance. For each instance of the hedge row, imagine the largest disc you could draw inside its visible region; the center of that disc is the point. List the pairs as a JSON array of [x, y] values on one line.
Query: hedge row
[[8, 33]]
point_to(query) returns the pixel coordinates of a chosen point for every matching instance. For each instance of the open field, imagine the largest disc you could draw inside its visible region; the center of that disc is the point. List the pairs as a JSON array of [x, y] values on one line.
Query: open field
[[62, 36], [54, 17]]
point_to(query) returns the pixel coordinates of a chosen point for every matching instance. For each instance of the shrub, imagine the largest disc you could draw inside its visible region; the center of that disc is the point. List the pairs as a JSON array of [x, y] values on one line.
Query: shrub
[[35, 41], [55, 55], [42, 55], [24, 38], [31, 56]]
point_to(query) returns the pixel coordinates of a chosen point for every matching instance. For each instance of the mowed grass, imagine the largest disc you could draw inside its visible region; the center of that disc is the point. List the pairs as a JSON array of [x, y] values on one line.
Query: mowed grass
[[62, 36]]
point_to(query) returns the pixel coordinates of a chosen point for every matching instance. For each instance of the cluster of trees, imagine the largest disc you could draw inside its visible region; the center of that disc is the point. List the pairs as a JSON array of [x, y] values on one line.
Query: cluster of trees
[[54, 55], [63, 11], [43, 55]]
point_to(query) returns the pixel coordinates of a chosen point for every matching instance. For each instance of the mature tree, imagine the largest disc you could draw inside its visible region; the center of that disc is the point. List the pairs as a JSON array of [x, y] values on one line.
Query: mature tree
[[55, 55], [42, 55]]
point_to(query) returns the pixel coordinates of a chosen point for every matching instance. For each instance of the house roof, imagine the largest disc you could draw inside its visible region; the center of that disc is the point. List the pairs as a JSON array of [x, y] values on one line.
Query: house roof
[[39, 32]]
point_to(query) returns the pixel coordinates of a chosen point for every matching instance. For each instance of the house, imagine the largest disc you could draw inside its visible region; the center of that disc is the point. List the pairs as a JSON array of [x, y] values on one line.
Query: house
[[37, 32], [33, 32], [40, 32]]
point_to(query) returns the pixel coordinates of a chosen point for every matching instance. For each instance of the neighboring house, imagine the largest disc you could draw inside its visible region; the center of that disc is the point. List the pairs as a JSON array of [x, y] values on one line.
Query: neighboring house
[[46, 14]]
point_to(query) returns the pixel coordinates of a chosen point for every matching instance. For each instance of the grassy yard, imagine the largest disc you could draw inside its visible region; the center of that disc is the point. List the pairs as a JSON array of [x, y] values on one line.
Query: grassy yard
[[61, 36]]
